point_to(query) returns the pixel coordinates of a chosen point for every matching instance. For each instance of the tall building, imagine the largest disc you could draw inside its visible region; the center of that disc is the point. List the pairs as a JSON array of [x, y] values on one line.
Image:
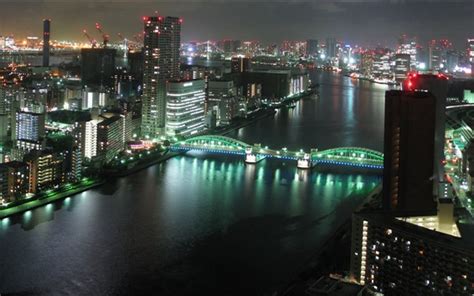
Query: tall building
[[470, 50], [331, 48], [402, 66], [88, 138], [46, 36], [437, 85], [98, 67], [76, 164], [185, 107], [409, 142], [408, 45], [239, 65], [161, 63], [312, 47]]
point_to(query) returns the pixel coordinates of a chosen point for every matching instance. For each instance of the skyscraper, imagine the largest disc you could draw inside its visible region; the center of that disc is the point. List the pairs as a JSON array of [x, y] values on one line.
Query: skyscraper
[[161, 63], [46, 35], [409, 151]]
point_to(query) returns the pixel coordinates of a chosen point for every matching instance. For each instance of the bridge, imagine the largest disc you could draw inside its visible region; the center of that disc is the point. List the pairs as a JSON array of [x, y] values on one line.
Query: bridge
[[355, 157]]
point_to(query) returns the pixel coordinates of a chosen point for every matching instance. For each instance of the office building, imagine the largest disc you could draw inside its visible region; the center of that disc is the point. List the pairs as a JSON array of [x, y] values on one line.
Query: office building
[[30, 126], [239, 64], [275, 84], [46, 36], [312, 48], [161, 57], [98, 68], [418, 255], [402, 67], [409, 142], [185, 107], [110, 137], [14, 181], [217, 90]]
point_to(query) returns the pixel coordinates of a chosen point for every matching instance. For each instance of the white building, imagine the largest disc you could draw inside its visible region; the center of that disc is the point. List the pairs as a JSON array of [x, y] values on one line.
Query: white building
[[90, 138], [185, 107]]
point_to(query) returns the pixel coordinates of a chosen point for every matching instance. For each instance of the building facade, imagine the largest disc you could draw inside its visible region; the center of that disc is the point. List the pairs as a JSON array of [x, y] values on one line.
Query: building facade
[[409, 140], [405, 256], [14, 181], [185, 107], [162, 42]]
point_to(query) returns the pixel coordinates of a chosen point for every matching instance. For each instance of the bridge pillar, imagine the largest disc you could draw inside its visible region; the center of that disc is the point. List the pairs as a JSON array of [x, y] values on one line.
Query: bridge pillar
[[251, 157], [305, 162]]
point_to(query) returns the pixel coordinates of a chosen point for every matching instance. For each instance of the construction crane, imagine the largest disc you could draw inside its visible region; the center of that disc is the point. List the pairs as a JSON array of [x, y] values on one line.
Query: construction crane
[[125, 46], [92, 41], [105, 37]]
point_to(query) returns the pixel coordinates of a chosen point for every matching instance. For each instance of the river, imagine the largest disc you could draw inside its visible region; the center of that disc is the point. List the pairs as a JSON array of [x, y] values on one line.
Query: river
[[202, 223]]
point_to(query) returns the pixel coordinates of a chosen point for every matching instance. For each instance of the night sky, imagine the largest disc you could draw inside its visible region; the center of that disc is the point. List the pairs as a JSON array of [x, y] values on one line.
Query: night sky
[[365, 23]]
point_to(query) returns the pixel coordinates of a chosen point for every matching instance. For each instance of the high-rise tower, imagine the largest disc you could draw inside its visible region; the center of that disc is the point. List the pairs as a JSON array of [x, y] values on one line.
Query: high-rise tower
[[46, 33], [162, 41]]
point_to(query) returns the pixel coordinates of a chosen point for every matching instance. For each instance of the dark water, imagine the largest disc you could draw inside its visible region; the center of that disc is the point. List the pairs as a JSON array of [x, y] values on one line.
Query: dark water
[[203, 223]]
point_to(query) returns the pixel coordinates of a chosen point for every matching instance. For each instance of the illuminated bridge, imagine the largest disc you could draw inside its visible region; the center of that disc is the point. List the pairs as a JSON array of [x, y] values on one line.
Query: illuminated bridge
[[354, 157]]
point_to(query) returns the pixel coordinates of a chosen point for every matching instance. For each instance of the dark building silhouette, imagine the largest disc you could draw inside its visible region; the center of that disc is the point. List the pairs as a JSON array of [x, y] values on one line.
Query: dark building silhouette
[[135, 65], [312, 47], [438, 86], [409, 151], [239, 65], [98, 67], [46, 36]]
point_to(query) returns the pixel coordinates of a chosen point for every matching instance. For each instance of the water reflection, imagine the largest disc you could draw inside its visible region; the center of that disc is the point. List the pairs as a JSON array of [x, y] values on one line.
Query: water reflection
[[202, 221]]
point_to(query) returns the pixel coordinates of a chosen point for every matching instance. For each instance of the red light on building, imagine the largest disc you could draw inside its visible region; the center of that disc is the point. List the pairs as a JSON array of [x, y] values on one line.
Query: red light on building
[[145, 18], [180, 20]]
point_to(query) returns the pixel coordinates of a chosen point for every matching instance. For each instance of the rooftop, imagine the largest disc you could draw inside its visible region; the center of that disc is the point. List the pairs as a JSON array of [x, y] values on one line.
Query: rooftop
[[432, 223]]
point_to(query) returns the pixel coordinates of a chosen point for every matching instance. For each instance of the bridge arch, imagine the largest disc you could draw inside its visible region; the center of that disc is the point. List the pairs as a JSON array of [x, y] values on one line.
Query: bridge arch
[[213, 141], [356, 153]]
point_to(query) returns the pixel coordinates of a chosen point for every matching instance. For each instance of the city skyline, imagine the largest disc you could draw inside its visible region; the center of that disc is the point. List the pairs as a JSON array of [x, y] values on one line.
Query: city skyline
[[356, 22]]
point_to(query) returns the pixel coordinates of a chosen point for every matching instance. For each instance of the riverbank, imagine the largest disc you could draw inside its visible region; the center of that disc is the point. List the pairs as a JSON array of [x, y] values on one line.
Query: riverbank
[[38, 202], [119, 173]]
